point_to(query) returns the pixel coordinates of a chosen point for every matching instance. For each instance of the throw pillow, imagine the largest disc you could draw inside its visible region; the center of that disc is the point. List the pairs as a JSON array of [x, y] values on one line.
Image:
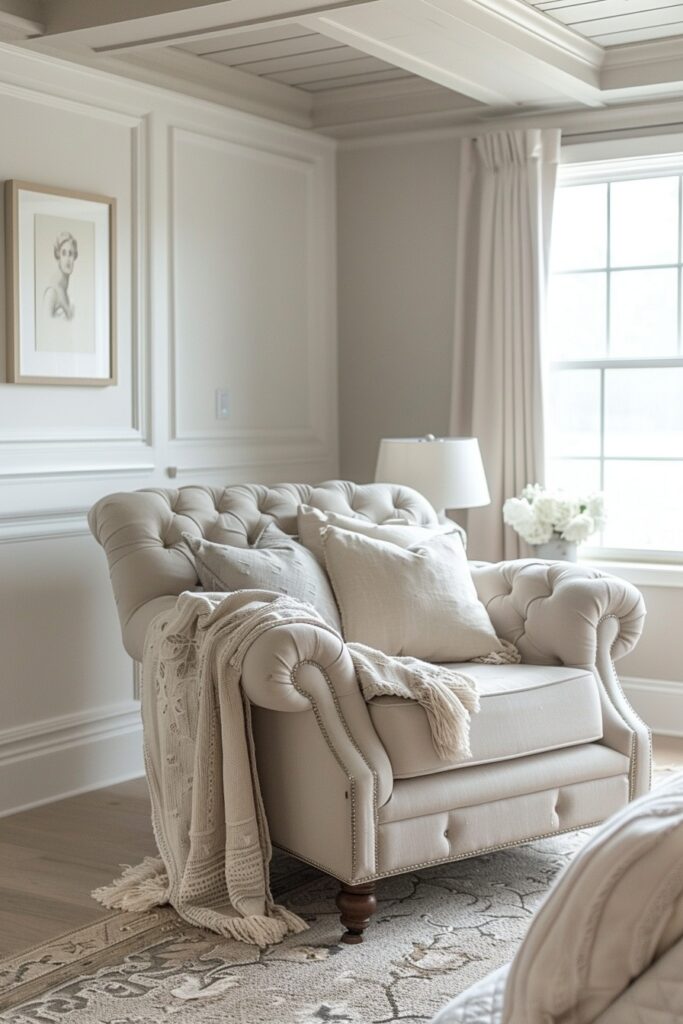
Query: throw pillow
[[312, 522], [417, 601], [276, 562]]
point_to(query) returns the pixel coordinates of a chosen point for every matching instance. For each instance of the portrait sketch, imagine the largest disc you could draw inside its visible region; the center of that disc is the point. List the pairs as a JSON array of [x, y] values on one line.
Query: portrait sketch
[[64, 284], [61, 297]]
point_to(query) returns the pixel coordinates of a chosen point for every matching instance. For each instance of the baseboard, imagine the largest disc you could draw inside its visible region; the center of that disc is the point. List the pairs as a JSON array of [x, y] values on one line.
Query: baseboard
[[659, 702], [58, 757]]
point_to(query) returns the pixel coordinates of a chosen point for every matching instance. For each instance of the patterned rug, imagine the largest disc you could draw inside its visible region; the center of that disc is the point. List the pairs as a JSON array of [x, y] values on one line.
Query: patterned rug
[[435, 932]]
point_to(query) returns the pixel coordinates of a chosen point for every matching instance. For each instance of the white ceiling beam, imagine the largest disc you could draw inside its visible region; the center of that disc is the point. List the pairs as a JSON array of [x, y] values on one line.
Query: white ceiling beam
[[654, 66], [119, 25], [501, 52]]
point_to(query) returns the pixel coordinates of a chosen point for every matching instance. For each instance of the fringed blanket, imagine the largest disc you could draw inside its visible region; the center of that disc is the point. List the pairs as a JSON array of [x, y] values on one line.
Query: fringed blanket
[[207, 812]]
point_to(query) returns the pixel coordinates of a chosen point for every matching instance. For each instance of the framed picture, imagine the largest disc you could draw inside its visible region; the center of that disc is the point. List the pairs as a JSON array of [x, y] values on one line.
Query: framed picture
[[61, 299]]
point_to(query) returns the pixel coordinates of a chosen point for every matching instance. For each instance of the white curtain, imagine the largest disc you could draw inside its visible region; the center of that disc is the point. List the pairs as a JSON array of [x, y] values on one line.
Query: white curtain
[[505, 200]]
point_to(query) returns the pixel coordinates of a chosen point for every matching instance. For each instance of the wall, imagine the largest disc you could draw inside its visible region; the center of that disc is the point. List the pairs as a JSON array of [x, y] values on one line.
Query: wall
[[226, 278], [397, 230]]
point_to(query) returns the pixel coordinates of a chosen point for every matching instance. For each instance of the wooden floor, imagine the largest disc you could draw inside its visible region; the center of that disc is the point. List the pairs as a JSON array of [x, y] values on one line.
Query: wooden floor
[[52, 857]]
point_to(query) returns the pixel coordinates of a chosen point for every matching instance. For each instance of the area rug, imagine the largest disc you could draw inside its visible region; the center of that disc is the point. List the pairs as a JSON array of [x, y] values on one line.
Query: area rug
[[435, 932]]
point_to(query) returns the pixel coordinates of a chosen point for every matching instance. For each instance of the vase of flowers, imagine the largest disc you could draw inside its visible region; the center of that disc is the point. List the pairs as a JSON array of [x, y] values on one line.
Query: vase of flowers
[[553, 521]]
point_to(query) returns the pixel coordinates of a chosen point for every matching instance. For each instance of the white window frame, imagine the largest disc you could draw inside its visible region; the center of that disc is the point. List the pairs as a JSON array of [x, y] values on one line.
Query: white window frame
[[609, 170]]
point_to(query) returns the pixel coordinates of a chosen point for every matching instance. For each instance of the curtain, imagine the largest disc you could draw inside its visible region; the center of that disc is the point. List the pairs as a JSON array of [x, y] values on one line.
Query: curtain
[[505, 200]]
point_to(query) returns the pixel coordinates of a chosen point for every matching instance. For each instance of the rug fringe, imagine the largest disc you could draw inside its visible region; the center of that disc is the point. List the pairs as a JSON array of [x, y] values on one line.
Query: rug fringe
[[140, 887]]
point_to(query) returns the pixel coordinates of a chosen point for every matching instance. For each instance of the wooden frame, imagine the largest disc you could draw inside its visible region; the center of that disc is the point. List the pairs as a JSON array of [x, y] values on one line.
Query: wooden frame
[[25, 321]]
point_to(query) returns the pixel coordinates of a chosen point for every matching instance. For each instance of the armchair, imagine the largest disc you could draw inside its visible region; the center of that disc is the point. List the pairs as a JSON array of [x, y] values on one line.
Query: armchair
[[555, 747]]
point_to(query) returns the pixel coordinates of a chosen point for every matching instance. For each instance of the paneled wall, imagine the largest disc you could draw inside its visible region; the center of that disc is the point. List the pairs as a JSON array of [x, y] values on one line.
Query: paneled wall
[[226, 279]]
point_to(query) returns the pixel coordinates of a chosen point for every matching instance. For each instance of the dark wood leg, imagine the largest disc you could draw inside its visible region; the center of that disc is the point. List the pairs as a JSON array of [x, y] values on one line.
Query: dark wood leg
[[357, 904]]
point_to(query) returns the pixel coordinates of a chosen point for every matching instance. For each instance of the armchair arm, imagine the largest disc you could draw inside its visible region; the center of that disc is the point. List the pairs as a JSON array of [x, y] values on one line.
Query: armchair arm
[[558, 613], [300, 667], [554, 611]]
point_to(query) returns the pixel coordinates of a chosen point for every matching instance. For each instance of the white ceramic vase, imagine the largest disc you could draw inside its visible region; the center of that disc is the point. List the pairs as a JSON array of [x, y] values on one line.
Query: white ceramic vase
[[558, 550]]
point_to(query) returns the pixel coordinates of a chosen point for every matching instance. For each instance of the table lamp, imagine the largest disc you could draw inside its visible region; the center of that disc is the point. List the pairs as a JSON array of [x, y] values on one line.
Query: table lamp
[[448, 471]]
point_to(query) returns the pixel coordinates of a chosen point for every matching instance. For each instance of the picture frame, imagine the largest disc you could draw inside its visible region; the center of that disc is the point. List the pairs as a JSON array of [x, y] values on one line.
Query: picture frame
[[61, 286]]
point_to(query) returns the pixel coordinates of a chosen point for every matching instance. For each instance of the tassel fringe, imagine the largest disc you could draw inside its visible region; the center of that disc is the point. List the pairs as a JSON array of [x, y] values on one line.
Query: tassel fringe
[[139, 888]]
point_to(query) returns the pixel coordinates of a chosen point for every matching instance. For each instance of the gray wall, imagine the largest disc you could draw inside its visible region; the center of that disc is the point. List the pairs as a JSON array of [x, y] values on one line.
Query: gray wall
[[397, 232]]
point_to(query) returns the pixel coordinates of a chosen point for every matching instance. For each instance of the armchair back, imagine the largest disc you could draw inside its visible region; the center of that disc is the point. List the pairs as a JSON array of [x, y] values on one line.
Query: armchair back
[[149, 564]]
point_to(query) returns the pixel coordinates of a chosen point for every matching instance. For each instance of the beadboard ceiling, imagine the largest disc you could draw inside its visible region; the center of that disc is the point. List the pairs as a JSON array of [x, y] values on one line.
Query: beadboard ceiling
[[614, 22], [296, 56]]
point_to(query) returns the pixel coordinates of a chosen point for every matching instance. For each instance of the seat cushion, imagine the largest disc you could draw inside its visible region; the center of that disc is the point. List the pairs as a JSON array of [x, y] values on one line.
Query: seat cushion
[[525, 709]]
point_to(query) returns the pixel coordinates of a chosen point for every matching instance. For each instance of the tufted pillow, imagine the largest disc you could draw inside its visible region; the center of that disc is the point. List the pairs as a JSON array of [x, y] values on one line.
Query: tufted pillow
[[312, 522], [417, 601], [276, 562]]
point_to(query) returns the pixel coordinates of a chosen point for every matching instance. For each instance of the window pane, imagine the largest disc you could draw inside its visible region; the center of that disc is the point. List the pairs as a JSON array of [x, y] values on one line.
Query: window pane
[[577, 316], [644, 413], [580, 227], [644, 505], [644, 222], [576, 475], [574, 412], [644, 313]]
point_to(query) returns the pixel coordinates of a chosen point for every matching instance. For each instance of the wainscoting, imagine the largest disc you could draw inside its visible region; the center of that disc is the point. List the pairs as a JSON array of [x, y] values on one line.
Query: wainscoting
[[659, 702], [226, 280]]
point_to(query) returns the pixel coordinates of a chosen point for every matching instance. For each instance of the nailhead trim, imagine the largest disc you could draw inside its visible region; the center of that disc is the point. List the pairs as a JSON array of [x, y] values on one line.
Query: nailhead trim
[[634, 735], [337, 757], [441, 860]]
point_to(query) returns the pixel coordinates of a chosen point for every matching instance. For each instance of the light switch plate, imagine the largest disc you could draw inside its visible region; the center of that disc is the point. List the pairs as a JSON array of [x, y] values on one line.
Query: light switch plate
[[222, 404]]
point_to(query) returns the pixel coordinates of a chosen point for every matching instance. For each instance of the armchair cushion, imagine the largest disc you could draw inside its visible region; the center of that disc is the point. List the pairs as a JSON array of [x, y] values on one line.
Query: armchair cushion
[[276, 562], [418, 601], [524, 709], [397, 530]]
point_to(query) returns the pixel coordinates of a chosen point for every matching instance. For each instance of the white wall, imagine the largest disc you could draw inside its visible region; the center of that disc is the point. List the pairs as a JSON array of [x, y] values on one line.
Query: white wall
[[226, 278], [397, 229]]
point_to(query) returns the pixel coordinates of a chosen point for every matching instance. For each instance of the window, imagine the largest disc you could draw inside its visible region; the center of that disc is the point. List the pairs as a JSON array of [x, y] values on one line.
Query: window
[[615, 402]]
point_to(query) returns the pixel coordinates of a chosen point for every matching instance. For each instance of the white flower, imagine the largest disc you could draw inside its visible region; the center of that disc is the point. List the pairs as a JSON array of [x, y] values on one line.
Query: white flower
[[538, 514], [537, 533], [579, 528], [517, 512], [531, 492]]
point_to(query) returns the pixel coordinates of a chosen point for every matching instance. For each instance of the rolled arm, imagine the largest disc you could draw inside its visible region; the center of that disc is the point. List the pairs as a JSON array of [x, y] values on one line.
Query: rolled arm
[[555, 611], [301, 667]]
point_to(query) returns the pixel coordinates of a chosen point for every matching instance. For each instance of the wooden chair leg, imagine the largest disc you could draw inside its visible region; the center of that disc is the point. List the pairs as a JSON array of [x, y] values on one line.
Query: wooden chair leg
[[357, 904]]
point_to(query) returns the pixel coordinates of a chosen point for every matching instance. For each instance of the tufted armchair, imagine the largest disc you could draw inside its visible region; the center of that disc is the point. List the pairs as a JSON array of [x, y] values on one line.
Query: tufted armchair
[[555, 747]]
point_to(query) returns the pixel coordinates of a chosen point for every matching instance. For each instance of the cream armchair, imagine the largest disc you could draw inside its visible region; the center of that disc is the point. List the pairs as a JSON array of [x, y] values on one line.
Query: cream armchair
[[555, 747]]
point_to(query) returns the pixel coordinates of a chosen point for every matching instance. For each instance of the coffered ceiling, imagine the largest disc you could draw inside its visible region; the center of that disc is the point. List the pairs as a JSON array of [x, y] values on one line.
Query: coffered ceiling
[[612, 22], [371, 65]]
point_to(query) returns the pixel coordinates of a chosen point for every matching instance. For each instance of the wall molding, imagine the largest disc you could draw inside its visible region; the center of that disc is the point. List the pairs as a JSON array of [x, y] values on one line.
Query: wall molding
[[49, 453], [659, 702], [58, 757], [312, 439], [45, 525]]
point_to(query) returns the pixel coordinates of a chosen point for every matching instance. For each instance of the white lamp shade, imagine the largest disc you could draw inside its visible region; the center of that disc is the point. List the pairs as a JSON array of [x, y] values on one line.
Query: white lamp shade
[[448, 471]]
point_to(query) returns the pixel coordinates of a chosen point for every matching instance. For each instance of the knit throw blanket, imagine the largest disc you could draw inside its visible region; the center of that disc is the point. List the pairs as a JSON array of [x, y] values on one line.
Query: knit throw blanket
[[207, 812]]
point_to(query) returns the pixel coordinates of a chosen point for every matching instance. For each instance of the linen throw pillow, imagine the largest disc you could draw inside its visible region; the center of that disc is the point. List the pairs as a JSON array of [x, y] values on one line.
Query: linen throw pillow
[[276, 562], [417, 601], [312, 522]]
